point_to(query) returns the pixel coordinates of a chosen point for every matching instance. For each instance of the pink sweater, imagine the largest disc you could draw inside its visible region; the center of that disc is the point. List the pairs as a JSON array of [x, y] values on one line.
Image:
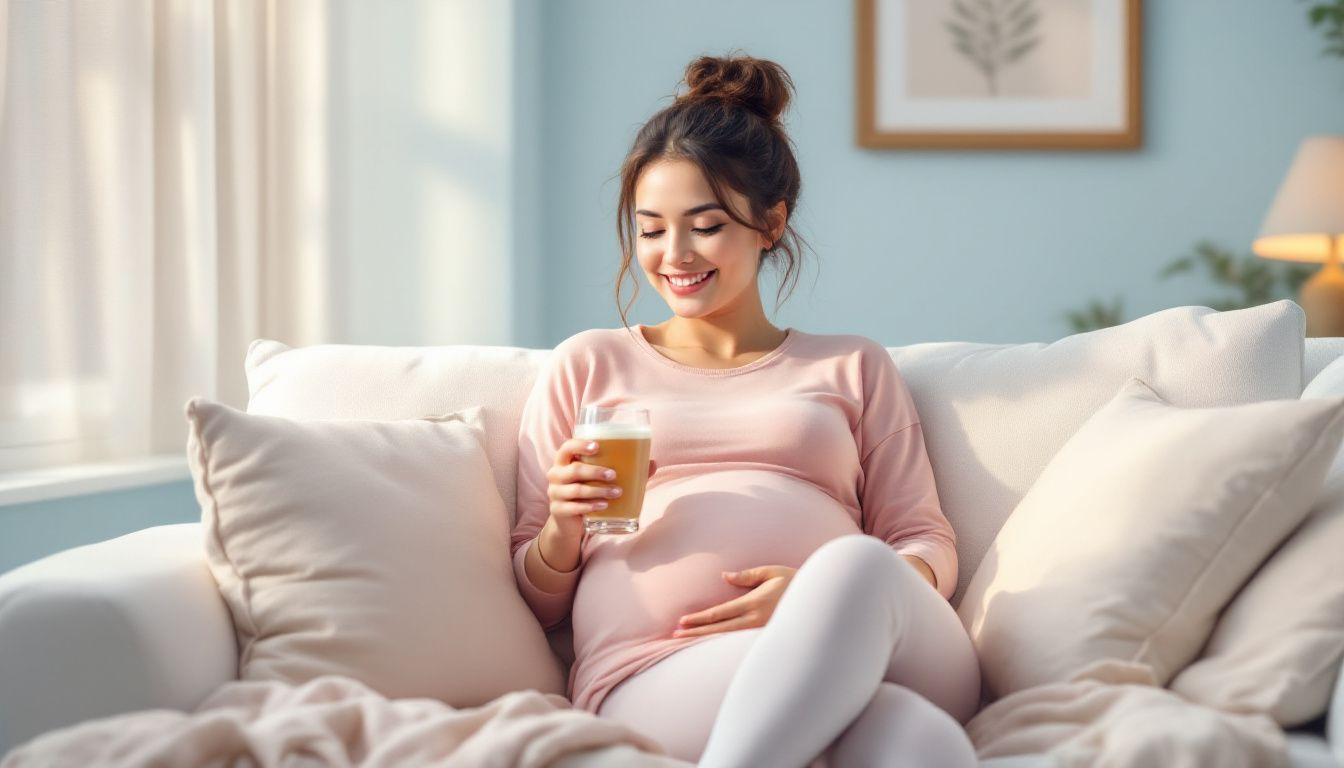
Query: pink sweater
[[757, 465]]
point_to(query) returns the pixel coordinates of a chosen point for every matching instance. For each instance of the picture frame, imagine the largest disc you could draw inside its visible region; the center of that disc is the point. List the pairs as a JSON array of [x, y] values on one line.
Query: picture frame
[[999, 74]]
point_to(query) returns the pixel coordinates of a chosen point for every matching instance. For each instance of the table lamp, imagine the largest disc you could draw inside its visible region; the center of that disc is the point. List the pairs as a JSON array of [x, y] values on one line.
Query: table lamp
[[1306, 223]]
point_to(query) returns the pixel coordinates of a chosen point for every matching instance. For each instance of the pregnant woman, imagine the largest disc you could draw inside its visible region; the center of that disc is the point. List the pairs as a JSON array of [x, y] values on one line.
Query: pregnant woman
[[785, 599]]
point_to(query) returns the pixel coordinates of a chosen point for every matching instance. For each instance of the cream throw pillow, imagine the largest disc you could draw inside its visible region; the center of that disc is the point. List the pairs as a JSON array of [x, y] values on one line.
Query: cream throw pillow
[[1277, 647], [1139, 531], [377, 550], [401, 382], [994, 415]]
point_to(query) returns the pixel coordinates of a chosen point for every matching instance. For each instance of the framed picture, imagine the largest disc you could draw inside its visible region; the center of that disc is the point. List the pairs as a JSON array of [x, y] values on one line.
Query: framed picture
[[999, 74]]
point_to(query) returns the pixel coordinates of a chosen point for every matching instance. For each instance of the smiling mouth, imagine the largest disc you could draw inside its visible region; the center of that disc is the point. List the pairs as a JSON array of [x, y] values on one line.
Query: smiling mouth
[[691, 281]]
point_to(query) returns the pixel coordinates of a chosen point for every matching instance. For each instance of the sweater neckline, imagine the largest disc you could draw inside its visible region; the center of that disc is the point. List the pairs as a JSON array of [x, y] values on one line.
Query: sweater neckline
[[642, 341]]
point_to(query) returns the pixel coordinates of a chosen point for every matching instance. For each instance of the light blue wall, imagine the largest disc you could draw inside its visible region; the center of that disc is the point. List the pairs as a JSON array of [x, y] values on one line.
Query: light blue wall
[[30, 531], [925, 246]]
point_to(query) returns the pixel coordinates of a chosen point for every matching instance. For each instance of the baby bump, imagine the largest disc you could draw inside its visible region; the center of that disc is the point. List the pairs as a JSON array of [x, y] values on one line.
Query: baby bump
[[637, 586]]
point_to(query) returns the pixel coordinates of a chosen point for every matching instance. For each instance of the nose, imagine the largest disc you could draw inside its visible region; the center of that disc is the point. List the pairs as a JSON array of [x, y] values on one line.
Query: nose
[[679, 248]]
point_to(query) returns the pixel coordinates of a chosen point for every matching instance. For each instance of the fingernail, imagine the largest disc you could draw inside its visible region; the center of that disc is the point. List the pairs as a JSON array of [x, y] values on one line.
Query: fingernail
[[614, 491], [600, 504], [610, 474], [592, 446]]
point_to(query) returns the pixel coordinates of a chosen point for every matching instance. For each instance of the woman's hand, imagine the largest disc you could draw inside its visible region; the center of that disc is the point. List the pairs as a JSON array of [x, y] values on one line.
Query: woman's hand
[[568, 487], [750, 610], [571, 497]]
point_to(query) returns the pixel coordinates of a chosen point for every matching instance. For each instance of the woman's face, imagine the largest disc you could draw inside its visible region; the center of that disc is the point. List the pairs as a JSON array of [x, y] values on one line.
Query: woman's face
[[682, 235]]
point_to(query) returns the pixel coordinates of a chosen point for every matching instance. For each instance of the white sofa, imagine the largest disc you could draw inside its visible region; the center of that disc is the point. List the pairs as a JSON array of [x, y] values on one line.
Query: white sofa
[[137, 622]]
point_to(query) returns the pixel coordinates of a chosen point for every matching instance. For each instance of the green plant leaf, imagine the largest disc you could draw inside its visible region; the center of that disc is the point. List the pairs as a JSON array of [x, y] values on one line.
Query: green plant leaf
[[1258, 281], [1218, 261], [1250, 279], [1296, 274], [1329, 18], [1096, 315], [1181, 265]]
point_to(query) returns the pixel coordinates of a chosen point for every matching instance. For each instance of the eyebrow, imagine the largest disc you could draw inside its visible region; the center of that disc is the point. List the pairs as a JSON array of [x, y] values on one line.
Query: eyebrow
[[687, 212]]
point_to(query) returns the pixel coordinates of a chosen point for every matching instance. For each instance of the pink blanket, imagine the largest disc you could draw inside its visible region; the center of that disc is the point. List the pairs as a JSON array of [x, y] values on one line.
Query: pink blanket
[[337, 721]]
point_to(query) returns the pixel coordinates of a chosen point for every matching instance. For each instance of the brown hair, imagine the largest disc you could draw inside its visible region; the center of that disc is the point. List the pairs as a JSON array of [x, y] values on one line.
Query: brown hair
[[728, 124]]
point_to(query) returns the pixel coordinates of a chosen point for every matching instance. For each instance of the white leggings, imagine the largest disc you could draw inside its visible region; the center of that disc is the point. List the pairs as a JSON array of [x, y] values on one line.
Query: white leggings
[[863, 663]]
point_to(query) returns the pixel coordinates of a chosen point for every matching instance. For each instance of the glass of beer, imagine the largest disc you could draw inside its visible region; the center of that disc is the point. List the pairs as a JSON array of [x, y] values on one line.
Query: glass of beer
[[623, 437]]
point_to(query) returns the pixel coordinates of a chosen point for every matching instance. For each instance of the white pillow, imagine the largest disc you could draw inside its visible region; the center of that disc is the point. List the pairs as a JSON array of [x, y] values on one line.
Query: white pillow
[[1277, 647], [994, 414], [377, 550], [1140, 530], [353, 381]]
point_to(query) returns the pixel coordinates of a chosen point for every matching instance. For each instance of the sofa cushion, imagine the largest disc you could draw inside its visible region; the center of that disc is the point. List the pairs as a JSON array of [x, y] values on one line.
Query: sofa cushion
[[351, 381], [372, 549], [1277, 647], [1140, 530], [994, 414]]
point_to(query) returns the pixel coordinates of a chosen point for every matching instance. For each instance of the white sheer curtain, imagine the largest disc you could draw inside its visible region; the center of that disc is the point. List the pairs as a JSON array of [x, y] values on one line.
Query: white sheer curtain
[[162, 203]]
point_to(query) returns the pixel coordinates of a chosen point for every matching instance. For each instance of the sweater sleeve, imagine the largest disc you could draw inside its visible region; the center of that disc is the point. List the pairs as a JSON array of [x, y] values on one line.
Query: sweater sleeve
[[897, 494], [547, 421]]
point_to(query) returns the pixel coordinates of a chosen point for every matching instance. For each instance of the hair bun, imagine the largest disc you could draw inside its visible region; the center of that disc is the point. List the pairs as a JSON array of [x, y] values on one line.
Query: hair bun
[[758, 84]]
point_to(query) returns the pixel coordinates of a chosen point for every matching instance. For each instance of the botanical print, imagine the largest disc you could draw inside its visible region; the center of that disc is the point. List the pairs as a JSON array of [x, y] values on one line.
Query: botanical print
[[999, 49], [999, 74], [993, 34]]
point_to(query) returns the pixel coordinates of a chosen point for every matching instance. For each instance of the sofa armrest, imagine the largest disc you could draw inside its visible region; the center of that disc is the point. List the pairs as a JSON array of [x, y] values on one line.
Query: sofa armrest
[[131, 623]]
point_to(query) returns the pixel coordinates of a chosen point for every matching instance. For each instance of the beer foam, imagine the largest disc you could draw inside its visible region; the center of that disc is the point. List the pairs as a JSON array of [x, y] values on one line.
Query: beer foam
[[613, 431]]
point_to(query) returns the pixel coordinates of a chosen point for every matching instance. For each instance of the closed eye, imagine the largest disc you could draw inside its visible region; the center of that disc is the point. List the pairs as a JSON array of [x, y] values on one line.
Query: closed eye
[[707, 231]]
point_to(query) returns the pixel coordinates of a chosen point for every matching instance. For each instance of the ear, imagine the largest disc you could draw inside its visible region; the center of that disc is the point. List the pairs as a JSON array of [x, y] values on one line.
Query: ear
[[778, 217]]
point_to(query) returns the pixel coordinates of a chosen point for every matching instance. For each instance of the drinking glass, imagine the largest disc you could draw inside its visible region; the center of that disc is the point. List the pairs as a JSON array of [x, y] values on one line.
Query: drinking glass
[[624, 437]]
